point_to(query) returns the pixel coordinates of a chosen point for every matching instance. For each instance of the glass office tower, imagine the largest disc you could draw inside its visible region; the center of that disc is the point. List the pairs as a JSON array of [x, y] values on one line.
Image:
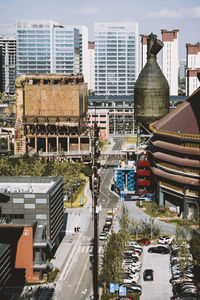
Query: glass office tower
[[66, 52], [34, 46], [116, 58], [47, 47]]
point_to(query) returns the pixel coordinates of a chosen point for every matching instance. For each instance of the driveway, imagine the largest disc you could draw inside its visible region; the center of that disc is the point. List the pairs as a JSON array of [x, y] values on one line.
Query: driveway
[[135, 212]]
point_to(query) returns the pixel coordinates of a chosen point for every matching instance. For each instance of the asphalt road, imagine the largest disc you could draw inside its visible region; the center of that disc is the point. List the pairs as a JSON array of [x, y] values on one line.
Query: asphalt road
[[76, 280]]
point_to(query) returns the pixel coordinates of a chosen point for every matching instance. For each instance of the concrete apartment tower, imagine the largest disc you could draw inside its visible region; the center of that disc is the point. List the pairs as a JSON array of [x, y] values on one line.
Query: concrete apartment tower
[[91, 81], [170, 62], [116, 58], [193, 67], [143, 50], [7, 64]]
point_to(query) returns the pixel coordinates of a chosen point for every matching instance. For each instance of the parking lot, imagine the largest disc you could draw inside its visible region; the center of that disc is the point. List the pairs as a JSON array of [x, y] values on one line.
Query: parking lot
[[160, 287]]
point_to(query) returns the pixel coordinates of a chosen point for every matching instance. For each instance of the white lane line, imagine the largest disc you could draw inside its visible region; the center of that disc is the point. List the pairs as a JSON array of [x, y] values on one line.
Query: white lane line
[[82, 275]]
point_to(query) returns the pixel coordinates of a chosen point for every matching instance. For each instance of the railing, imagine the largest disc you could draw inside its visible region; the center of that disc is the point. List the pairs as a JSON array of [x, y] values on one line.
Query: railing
[[174, 134]]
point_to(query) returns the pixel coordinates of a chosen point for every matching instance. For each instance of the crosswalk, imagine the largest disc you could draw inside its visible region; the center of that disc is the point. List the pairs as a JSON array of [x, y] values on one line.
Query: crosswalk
[[88, 249]]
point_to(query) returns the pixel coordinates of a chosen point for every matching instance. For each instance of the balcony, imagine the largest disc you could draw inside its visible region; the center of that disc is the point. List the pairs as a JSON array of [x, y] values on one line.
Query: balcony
[[143, 172], [143, 182], [143, 163]]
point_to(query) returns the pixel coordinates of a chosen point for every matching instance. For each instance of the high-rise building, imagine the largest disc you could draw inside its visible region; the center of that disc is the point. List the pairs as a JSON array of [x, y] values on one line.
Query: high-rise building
[[170, 62], [48, 47], [116, 58], [193, 67], [143, 51], [91, 81], [7, 64], [182, 69]]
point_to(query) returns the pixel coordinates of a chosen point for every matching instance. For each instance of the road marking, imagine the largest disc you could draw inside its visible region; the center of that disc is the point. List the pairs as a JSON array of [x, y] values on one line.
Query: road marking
[[82, 275]]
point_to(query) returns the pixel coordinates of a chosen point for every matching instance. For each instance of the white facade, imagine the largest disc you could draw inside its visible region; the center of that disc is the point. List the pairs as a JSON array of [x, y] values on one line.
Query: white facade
[[91, 82], [170, 62], [193, 67], [192, 81], [84, 56], [143, 51], [116, 58]]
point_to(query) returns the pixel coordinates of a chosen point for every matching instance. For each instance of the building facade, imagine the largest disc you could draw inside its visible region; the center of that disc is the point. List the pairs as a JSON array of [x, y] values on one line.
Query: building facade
[[116, 58], [91, 81], [7, 64], [192, 67], [31, 214], [48, 47], [175, 151], [114, 115], [143, 51], [170, 62], [51, 112]]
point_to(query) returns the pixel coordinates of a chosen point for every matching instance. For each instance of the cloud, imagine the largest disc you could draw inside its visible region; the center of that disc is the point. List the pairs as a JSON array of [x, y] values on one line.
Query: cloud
[[91, 10], [193, 12]]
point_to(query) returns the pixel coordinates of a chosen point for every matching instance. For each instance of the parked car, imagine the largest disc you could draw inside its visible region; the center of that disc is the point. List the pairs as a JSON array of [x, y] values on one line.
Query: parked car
[[144, 241], [165, 240], [106, 227], [148, 274], [159, 249], [109, 214], [133, 243], [136, 288], [131, 280], [103, 236]]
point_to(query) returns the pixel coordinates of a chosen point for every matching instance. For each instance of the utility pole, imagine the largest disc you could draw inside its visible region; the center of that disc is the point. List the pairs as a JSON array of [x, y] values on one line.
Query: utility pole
[[95, 188]]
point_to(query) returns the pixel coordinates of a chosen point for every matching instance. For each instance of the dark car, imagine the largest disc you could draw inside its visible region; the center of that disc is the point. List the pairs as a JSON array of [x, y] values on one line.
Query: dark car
[[106, 227], [148, 274], [159, 249], [144, 241]]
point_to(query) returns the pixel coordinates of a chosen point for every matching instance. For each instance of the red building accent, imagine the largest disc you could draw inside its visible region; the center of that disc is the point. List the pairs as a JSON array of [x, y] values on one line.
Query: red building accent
[[143, 174], [169, 36]]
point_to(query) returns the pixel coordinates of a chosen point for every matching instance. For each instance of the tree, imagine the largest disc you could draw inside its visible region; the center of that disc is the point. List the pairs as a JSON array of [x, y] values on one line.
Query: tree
[[112, 270], [124, 225], [135, 227]]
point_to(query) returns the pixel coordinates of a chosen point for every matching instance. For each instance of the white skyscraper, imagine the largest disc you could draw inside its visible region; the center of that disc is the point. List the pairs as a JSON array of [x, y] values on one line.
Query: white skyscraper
[[48, 47], [170, 62], [143, 51], [193, 67], [116, 58]]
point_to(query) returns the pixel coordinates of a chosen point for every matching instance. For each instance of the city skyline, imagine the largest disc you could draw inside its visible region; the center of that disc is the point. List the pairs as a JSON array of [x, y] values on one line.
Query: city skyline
[[151, 17]]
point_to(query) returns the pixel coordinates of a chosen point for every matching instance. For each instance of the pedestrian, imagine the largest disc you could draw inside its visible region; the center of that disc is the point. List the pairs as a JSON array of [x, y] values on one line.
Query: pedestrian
[[77, 228], [74, 229]]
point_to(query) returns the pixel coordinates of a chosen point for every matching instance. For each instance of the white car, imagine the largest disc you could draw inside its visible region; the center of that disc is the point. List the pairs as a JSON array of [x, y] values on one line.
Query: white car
[[133, 243], [133, 279], [166, 240], [103, 236]]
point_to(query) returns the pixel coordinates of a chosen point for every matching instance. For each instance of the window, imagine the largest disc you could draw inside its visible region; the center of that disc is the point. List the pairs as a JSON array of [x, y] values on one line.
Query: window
[[41, 216], [31, 206]]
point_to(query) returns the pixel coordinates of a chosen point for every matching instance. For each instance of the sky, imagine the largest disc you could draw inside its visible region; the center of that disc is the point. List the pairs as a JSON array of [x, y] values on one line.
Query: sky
[[151, 15]]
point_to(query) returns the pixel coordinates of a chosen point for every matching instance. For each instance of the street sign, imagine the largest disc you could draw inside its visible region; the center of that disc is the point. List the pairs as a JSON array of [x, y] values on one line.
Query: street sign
[[112, 288], [116, 287], [122, 291]]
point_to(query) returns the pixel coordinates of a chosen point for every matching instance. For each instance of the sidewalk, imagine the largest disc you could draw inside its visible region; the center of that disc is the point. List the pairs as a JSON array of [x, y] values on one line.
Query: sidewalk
[[73, 217]]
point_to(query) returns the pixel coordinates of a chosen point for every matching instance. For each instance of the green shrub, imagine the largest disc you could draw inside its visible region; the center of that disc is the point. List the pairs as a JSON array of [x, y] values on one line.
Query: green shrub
[[52, 275]]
